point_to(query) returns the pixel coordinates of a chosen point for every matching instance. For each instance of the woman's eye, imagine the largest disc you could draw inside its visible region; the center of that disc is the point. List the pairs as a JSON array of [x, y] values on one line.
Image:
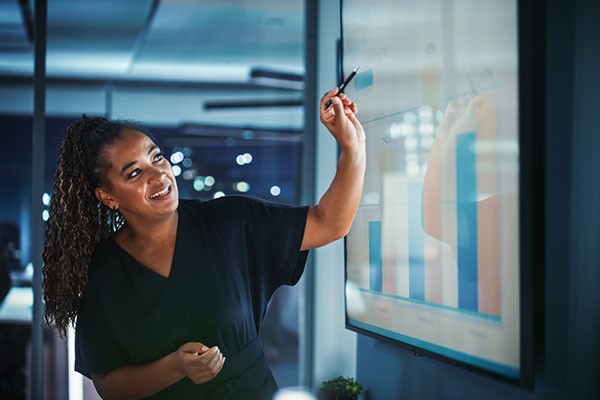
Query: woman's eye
[[134, 173], [159, 156]]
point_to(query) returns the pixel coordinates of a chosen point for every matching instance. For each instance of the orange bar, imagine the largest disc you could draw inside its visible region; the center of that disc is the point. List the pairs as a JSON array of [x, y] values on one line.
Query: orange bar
[[488, 256]]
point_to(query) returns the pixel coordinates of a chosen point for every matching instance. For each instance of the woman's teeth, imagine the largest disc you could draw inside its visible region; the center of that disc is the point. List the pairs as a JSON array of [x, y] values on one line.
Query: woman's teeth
[[159, 194]]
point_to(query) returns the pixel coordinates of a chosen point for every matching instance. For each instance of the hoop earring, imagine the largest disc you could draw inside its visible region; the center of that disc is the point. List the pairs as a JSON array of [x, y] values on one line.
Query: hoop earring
[[113, 219]]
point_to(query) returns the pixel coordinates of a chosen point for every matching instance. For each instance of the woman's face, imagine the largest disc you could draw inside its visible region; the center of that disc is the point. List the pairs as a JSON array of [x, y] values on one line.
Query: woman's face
[[140, 181]]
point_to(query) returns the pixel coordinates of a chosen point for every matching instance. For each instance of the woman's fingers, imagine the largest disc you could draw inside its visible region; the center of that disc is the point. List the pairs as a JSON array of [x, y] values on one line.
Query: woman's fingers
[[337, 113], [326, 97], [210, 357], [203, 366], [328, 100], [193, 347], [206, 375]]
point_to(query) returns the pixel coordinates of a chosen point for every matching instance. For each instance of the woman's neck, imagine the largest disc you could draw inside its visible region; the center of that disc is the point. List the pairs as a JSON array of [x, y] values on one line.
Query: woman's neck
[[149, 232]]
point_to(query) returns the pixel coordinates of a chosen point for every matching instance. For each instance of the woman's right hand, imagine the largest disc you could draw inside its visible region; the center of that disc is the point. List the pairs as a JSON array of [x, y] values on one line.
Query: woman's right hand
[[199, 362], [340, 119]]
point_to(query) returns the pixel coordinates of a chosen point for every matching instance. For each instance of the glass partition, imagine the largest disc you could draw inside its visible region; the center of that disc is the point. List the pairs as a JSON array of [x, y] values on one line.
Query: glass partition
[[219, 85]]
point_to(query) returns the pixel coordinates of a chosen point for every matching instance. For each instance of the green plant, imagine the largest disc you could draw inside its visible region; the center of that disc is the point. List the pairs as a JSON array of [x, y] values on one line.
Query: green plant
[[341, 388]]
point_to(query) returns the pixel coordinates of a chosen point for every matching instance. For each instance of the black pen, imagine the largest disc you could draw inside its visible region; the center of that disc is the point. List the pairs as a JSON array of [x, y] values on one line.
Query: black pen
[[343, 85]]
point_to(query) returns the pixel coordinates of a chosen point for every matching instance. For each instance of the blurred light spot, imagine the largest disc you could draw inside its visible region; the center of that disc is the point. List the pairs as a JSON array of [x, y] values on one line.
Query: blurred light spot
[[187, 162], [411, 157], [176, 170], [45, 215], [242, 187], [426, 113], [177, 157], [411, 143], [412, 169], [247, 158], [293, 393], [371, 198], [247, 134], [189, 174], [406, 129], [275, 190], [199, 183], [218, 194], [427, 143], [46, 199], [355, 302], [209, 181], [426, 128], [395, 130], [187, 151]]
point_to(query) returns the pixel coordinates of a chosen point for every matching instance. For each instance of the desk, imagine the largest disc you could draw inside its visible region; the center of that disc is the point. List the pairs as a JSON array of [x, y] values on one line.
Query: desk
[[15, 332], [17, 306]]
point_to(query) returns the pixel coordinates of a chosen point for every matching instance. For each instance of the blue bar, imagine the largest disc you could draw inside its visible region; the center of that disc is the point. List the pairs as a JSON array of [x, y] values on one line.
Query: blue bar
[[466, 209], [375, 262], [416, 243], [363, 80]]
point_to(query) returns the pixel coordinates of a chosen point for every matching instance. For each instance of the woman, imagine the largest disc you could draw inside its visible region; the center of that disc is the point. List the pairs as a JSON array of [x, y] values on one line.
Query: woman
[[167, 294]]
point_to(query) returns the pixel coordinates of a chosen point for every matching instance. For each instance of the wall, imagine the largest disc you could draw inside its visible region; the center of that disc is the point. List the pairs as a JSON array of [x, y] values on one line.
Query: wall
[[334, 351], [567, 317]]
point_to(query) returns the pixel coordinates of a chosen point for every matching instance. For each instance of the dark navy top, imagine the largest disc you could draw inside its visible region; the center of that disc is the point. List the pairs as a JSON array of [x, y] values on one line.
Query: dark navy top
[[230, 256]]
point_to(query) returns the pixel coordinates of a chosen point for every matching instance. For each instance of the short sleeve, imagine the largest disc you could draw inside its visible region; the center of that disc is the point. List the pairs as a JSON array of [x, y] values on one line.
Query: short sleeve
[[275, 232], [96, 348]]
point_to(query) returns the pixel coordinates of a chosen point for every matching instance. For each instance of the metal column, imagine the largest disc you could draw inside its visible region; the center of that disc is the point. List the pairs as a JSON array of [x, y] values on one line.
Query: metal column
[[37, 226], [311, 118]]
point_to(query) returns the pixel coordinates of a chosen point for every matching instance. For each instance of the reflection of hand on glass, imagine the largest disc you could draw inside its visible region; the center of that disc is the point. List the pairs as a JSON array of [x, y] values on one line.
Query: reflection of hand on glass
[[461, 199], [459, 117]]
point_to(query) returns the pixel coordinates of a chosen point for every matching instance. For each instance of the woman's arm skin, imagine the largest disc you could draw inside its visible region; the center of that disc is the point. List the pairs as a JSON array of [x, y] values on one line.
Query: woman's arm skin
[[332, 218], [194, 360]]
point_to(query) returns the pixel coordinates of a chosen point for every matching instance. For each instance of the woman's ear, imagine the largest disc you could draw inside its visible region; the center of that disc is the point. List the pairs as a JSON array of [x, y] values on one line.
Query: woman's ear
[[106, 198]]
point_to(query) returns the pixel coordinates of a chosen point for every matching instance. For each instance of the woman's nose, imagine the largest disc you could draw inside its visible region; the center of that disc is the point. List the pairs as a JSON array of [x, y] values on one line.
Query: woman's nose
[[156, 174]]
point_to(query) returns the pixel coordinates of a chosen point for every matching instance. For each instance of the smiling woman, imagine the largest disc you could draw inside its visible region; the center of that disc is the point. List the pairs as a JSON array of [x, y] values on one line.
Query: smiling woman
[[82, 167], [168, 295]]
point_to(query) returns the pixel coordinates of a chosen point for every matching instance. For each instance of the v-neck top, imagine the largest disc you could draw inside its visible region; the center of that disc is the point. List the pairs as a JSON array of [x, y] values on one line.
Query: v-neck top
[[230, 255]]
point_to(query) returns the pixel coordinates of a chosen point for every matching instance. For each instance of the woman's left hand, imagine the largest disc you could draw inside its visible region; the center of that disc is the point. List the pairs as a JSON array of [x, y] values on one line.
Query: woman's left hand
[[332, 217], [340, 119]]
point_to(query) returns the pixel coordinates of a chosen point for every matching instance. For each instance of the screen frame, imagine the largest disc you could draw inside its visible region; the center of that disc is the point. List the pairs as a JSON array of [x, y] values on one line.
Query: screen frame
[[531, 95]]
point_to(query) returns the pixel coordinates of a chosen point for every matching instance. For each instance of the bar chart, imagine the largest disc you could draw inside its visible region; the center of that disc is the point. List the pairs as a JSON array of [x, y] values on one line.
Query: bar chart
[[432, 258]]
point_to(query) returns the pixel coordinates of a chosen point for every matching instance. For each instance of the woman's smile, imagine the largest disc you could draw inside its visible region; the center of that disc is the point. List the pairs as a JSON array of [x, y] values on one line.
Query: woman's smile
[[162, 194]]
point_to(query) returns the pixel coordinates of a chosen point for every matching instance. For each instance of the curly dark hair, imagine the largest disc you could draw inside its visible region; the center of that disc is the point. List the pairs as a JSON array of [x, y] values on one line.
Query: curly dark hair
[[78, 220]]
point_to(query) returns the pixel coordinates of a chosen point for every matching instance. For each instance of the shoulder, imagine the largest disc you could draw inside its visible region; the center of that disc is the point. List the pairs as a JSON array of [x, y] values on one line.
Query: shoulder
[[223, 207], [229, 202], [104, 255], [106, 266], [241, 211]]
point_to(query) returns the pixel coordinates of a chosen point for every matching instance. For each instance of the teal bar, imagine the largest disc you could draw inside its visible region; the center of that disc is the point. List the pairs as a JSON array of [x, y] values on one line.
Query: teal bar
[[466, 208], [363, 80], [416, 242], [375, 261]]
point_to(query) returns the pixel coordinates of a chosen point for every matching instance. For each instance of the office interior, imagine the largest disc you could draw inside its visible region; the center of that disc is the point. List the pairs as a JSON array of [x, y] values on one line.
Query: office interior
[[230, 90]]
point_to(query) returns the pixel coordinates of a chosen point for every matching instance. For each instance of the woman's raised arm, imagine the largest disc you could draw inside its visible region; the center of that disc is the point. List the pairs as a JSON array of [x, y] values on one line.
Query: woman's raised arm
[[332, 218]]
